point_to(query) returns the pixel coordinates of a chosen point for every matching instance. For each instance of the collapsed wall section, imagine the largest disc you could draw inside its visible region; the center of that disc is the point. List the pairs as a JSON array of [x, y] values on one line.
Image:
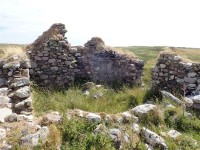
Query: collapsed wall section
[[173, 73], [54, 63]]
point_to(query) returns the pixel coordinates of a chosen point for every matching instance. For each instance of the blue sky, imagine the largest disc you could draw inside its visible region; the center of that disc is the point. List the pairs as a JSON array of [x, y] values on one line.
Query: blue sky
[[118, 22]]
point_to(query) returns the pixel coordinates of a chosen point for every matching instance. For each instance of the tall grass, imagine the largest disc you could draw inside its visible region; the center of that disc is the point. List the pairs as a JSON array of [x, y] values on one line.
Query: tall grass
[[111, 102], [10, 49]]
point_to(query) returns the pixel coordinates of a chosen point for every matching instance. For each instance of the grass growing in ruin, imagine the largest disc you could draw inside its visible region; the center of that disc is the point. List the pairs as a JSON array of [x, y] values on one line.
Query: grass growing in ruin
[[77, 134], [111, 102]]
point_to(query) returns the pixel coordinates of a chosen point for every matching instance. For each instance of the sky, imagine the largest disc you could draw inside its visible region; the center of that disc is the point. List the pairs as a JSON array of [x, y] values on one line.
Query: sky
[[117, 22]]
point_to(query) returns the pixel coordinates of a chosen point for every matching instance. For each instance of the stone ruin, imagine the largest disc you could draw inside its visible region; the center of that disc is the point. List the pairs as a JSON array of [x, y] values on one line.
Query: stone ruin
[[54, 63], [15, 88], [174, 73]]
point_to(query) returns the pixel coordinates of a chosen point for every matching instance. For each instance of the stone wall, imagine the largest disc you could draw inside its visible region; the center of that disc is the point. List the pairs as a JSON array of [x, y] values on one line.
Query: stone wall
[[14, 86], [174, 73], [54, 63]]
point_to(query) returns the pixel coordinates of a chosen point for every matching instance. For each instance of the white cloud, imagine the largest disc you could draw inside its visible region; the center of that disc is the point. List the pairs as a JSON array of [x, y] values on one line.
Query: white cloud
[[118, 22]]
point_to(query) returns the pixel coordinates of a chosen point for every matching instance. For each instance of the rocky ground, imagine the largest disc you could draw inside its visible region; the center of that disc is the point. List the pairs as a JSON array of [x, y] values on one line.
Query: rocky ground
[[141, 127], [155, 120]]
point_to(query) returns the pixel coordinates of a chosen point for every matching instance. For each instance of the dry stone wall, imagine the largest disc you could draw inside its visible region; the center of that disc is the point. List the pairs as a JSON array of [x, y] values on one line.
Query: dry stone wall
[[54, 63], [173, 73], [14, 87]]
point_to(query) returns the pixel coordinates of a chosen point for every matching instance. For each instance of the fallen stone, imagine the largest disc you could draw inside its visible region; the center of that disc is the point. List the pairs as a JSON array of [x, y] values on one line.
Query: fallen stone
[[75, 112], [51, 118], [188, 101], [149, 147], [43, 132], [30, 139], [153, 139], [118, 136], [4, 112], [169, 106], [33, 139], [97, 95], [188, 115], [115, 134], [88, 86], [143, 109], [127, 116], [195, 99], [100, 129], [136, 128], [171, 97], [93, 117], [173, 134], [86, 92]]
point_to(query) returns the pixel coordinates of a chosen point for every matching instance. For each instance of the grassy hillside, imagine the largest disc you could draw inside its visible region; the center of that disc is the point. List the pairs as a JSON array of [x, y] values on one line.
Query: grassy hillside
[[77, 134]]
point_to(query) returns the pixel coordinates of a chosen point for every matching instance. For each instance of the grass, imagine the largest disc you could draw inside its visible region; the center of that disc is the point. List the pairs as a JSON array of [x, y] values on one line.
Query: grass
[[73, 98], [78, 133], [10, 49]]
